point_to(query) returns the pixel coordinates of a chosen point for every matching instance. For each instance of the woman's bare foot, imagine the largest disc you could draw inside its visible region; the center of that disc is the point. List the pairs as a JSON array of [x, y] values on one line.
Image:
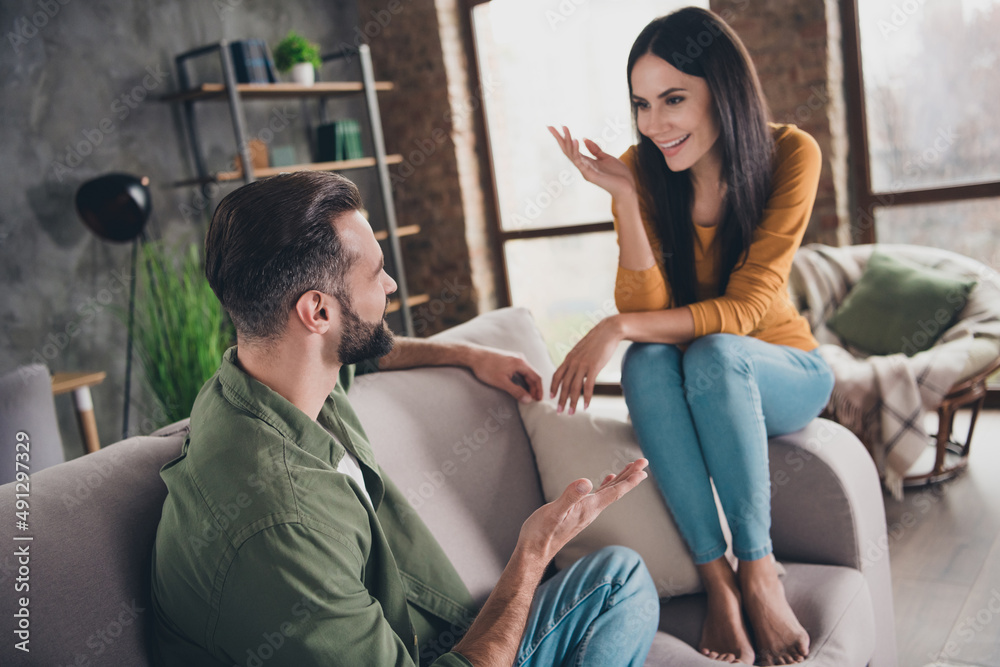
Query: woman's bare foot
[[724, 635], [779, 637]]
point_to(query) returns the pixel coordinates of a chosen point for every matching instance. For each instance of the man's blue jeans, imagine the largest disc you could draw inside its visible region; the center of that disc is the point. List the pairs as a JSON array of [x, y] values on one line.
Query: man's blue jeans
[[601, 611], [706, 414]]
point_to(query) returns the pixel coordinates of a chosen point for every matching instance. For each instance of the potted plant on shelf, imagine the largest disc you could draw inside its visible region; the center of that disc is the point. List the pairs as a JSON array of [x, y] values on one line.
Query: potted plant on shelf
[[298, 54]]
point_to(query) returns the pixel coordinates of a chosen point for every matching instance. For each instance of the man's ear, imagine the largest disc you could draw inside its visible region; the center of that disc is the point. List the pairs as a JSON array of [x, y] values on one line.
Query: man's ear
[[317, 312]]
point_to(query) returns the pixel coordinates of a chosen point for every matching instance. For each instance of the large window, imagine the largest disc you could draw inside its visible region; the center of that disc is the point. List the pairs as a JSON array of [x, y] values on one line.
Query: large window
[[556, 62], [926, 139], [924, 131]]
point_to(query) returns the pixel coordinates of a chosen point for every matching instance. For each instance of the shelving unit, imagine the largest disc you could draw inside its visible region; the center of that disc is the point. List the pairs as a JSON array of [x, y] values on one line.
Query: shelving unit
[[263, 91], [341, 165], [235, 94]]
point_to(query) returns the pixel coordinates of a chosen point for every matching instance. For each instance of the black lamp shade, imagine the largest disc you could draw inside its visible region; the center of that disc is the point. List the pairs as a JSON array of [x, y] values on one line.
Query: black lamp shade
[[115, 206]]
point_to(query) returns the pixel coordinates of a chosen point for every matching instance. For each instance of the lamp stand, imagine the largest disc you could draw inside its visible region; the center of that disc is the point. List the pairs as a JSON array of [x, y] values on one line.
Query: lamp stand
[[128, 345]]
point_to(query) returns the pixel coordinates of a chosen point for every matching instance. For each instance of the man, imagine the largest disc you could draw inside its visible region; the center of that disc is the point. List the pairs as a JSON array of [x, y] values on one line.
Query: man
[[282, 542]]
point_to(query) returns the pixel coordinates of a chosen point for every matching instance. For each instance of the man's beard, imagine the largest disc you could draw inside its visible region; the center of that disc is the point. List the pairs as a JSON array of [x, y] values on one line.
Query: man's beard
[[360, 340]]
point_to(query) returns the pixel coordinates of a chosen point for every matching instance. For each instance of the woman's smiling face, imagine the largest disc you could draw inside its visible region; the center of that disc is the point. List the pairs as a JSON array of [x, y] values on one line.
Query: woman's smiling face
[[675, 110]]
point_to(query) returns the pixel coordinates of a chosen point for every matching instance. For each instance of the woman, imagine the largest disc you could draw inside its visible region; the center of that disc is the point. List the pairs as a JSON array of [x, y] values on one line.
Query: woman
[[710, 207]]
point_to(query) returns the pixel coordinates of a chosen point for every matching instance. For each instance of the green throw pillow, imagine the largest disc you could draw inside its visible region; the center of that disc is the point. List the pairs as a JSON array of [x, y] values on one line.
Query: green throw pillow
[[899, 306]]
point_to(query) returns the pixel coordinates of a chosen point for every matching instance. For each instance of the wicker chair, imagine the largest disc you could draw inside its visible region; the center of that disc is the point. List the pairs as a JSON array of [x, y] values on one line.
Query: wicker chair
[[951, 454]]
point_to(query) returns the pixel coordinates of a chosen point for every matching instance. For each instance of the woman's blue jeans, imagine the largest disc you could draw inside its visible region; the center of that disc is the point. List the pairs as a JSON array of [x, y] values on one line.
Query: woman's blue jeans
[[706, 414], [602, 610]]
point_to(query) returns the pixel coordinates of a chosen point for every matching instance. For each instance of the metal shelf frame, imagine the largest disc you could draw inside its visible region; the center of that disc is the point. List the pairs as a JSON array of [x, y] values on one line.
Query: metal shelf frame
[[234, 95]]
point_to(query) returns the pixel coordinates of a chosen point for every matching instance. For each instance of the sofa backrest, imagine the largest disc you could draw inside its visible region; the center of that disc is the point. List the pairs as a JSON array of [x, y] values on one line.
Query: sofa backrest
[[86, 573], [456, 447], [458, 452]]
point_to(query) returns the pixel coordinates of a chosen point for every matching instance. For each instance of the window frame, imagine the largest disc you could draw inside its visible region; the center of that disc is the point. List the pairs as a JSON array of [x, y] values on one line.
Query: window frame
[[499, 237], [867, 199]]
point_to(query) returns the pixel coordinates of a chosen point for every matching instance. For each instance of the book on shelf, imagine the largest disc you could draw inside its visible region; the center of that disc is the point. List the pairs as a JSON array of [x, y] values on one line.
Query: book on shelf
[[339, 140], [272, 73], [239, 59], [252, 62]]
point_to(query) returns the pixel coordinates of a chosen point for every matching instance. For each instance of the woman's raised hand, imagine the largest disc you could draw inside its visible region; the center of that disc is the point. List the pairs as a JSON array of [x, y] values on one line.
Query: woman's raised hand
[[603, 170]]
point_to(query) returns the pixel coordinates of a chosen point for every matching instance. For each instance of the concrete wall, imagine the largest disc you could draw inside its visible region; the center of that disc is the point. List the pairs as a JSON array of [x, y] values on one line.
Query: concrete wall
[[78, 100]]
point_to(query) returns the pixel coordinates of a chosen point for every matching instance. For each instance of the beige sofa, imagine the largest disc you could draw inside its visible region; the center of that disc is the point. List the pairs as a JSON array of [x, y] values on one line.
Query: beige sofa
[[458, 449]]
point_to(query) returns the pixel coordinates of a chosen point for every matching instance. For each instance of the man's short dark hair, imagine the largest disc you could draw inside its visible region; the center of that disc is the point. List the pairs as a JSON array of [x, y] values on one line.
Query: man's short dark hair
[[271, 241]]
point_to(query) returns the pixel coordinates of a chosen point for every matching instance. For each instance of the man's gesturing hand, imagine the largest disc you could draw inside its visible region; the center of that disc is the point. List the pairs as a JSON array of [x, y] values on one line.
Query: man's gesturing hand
[[551, 526], [493, 639]]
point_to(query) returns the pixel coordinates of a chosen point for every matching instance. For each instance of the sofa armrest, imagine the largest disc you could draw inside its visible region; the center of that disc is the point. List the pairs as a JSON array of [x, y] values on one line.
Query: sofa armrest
[[93, 524], [827, 507], [826, 501]]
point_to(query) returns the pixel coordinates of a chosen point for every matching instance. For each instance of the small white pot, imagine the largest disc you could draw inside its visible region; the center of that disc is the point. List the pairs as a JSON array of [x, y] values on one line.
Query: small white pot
[[304, 74]]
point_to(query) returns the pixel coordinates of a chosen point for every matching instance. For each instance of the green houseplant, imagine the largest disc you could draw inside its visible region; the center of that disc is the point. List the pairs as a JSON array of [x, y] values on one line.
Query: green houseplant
[[181, 328], [298, 54]]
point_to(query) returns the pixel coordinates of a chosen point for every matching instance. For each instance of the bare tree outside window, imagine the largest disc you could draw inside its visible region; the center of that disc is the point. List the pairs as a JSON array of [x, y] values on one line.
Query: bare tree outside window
[[930, 87]]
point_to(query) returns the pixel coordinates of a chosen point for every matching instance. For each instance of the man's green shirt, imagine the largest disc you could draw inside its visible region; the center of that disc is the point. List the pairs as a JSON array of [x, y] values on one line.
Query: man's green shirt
[[267, 555]]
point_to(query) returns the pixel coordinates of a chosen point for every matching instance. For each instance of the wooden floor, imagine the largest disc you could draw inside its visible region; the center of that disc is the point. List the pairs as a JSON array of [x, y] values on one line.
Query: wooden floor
[[944, 546]]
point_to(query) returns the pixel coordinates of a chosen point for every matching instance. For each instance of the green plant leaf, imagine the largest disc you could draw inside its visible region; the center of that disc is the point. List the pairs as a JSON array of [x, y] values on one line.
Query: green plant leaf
[[181, 330], [295, 49]]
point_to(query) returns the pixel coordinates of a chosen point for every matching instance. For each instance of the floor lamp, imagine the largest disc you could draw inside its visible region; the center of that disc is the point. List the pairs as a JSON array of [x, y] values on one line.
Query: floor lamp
[[116, 207]]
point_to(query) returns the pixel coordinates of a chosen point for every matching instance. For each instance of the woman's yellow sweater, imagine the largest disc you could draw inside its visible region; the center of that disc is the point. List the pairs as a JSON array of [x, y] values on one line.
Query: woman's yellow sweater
[[756, 302]]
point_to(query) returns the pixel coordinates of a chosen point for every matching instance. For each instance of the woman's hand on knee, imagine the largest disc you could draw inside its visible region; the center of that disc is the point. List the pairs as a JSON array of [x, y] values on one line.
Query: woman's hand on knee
[[603, 170], [577, 374]]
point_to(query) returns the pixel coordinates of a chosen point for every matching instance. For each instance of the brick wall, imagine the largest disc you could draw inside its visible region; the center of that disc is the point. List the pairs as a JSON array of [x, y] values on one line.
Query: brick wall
[[426, 119], [795, 45]]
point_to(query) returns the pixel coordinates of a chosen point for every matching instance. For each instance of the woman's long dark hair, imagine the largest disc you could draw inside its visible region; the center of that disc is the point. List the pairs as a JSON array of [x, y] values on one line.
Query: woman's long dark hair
[[698, 42]]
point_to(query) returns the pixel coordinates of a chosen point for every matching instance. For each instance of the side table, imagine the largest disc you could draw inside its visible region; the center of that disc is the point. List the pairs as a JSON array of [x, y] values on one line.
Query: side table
[[80, 384]]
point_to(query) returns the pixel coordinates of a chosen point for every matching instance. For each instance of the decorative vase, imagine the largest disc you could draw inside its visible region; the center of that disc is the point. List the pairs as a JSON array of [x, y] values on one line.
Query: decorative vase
[[304, 74]]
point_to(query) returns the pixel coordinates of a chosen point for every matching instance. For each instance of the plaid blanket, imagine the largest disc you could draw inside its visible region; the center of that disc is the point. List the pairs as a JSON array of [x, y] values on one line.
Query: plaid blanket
[[883, 399]]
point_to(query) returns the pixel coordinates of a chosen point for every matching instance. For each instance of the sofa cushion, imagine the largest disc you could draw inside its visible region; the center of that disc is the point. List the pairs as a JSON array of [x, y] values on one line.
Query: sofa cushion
[[93, 521], [471, 458], [832, 603], [568, 447]]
